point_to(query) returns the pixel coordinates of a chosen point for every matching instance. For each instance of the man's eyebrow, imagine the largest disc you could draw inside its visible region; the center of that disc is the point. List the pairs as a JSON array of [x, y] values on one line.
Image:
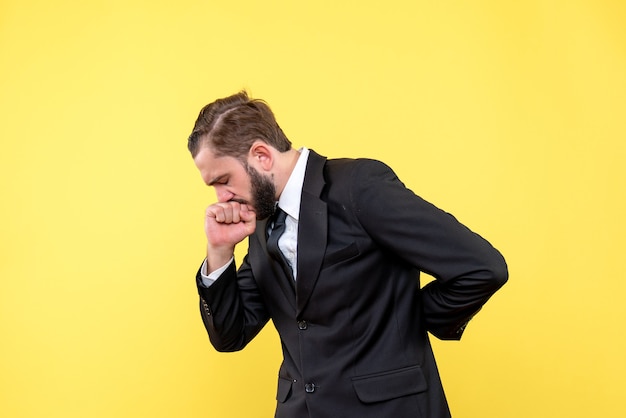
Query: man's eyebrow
[[217, 179]]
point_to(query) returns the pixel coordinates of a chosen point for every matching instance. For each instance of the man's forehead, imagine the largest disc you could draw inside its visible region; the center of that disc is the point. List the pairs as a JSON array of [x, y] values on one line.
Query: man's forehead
[[207, 158]]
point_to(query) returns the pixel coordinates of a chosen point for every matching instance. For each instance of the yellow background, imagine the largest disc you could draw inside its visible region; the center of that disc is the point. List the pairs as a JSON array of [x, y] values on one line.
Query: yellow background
[[511, 115]]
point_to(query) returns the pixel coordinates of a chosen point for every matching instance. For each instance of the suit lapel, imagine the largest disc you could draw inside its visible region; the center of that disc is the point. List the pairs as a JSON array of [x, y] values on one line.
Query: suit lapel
[[286, 283], [312, 230]]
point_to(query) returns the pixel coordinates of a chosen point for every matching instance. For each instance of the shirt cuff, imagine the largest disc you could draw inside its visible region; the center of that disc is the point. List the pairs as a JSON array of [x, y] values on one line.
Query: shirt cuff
[[209, 278]]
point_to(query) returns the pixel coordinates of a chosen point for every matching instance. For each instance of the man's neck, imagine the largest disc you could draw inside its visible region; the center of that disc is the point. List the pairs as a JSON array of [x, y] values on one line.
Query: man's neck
[[285, 163]]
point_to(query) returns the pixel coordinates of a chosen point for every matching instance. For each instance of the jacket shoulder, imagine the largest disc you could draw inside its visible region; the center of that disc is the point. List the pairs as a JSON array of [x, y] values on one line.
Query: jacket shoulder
[[355, 168]]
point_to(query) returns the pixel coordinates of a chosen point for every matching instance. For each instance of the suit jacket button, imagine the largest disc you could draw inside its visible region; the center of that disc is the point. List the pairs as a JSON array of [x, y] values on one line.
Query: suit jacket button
[[302, 325], [309, 388]]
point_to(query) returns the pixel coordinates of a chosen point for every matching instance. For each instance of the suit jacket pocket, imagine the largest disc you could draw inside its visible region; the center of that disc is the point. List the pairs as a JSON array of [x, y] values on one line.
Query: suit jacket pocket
[[390, 385], [340, 255], [284, 389]]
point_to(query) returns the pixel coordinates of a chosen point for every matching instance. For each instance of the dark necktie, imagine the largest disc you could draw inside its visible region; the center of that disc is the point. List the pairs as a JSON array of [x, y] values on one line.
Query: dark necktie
[[272, 242]]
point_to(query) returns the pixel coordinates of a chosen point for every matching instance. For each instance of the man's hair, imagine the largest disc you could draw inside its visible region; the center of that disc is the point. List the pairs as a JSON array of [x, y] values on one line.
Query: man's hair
[[231, 125]]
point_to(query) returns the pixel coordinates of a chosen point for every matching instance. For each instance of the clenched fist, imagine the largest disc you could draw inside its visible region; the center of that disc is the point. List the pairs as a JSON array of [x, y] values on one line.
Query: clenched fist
[[226, 224]]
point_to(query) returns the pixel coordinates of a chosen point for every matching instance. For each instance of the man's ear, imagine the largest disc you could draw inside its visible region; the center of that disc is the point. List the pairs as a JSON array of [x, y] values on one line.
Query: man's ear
[[261, 156]]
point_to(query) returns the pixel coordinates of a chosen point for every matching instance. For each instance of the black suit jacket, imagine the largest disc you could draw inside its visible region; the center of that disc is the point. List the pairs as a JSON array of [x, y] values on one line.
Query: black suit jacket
[[354, 326]]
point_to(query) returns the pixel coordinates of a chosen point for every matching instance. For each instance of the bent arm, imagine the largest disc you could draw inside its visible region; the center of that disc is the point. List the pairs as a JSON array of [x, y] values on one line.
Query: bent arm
[[468, 269], [450, 303], [231, 308]]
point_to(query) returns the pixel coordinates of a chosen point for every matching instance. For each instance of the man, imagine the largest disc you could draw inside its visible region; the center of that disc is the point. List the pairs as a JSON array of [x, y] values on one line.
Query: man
[[343, 288]]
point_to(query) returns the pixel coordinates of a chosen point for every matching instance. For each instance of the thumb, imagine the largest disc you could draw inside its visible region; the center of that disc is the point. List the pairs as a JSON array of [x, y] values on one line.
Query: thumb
[[247, 214]]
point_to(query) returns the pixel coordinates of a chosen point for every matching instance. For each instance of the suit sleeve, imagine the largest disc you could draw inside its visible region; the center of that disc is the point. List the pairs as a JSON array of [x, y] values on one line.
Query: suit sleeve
[[468, 269], [232, 310]]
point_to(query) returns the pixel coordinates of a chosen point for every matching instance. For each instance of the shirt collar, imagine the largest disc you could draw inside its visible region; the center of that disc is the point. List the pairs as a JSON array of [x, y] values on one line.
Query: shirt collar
[[289, 200]]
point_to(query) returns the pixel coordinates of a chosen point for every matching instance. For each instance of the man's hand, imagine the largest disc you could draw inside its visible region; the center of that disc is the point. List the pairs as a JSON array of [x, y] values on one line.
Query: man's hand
[[226, 224]]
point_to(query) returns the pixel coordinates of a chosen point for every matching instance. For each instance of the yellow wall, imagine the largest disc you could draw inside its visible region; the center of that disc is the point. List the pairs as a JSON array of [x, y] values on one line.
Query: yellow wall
[[511, 115]]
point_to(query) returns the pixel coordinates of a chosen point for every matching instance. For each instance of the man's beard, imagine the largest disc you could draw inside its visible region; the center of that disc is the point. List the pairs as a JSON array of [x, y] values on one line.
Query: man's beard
[[263, 193]]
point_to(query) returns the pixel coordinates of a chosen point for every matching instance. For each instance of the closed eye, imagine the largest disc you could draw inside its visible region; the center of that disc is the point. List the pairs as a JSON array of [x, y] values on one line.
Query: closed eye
[[220, 180]]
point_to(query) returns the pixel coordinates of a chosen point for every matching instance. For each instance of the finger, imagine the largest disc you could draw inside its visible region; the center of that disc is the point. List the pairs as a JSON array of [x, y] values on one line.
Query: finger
[[215, 212], [210, 212], [248, 217], [232, 212], [236, 214]]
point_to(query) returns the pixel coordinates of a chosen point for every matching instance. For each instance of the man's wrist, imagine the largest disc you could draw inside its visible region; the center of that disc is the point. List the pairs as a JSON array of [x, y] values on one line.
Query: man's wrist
[[218, 257]]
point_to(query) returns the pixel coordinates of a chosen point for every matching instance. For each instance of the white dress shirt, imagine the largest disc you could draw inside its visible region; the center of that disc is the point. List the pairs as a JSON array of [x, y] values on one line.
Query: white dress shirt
[[289, 201]]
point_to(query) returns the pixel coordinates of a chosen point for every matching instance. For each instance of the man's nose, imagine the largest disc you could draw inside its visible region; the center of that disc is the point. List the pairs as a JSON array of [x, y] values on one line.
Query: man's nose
[[223, 195]]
